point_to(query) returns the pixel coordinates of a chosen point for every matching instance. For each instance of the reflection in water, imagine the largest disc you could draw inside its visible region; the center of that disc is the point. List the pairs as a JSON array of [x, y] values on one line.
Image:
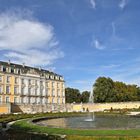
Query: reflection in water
[[91, 117], [101, 122]]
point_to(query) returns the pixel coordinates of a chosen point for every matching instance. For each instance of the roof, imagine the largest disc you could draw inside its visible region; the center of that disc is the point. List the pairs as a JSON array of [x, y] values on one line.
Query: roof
[[26, 68]]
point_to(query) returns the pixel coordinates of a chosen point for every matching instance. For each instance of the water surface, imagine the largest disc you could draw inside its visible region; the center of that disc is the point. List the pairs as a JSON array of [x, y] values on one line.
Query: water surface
[[100, 122]]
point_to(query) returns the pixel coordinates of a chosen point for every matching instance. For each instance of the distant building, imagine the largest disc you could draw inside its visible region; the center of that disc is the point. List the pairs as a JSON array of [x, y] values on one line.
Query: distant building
[[20, 84]]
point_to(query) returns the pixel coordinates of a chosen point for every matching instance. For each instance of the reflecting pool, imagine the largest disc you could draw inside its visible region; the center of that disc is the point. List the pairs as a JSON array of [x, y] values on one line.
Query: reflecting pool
[[100, 122]]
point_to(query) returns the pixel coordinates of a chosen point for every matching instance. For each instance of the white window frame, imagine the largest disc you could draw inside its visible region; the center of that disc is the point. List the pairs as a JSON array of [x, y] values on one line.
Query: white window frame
[[8, 79], [7, 101], [1, 78], [8, 90], [0, 99]]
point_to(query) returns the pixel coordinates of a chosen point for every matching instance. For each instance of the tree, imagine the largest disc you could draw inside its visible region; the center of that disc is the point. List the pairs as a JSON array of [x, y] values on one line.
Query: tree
[[106, 90], [85, 96], [103, 90], [72, 95]]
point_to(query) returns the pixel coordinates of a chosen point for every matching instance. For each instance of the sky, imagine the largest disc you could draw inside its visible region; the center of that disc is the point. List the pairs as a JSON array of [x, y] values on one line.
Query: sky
[[79, 39]]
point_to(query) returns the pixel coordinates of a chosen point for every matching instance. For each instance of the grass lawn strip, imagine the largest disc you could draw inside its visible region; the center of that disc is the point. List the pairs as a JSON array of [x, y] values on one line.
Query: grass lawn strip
[[27, 126]]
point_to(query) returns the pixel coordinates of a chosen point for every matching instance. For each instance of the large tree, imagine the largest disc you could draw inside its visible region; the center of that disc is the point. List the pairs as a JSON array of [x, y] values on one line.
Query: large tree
[[72, 95], [106, 90], [103, 89]]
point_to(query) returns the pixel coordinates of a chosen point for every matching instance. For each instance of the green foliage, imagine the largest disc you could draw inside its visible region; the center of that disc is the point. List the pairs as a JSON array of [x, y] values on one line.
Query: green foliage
[[85, 96], [103, 90], [73, 95], [107, 90]]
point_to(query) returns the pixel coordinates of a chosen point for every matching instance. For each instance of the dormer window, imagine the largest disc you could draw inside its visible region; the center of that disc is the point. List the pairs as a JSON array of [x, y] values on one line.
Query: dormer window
[[4, 69], [15, 71], [52, 77], [1, 68], [12, 70], [18, 71], [47, 76], [7, 69]]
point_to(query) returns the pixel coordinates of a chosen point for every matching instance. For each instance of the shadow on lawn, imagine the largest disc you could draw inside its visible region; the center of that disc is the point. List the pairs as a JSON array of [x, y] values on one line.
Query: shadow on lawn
[[13, 135]]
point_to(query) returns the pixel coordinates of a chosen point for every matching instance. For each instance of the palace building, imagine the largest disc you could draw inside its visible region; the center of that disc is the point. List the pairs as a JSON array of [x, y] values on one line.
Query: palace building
[[20, 84]]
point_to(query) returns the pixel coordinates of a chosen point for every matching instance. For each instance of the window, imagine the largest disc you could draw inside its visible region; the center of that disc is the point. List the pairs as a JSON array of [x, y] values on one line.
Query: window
[[46, 91], [35, 91], [22, 90], [0, 78], [53, 92], [63, 100], [53, 84], [7, 99], [63, 86], [41, 91], [15, 100], [4, 69], [15, 90], [12, 70], [7, 89], [63, 93], [36, 84], [8, 69], [46, 100], [29, 82], [58, 101], [0, 99], [32, 91], [22, 81], [8, 79], [16, 80], [29, 91], [47, 84], [1, 68], [24, 99], [1, 90], [41, 83], [58, 92], [57, 85], [52, 100], [38, 100]]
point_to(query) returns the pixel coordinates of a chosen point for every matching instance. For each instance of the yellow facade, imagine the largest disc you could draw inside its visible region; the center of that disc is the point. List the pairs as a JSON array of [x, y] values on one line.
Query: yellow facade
[[8, 95], [20, 84]]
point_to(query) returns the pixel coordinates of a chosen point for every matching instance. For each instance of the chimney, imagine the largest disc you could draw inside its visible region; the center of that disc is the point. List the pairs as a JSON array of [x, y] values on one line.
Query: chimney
[[39, 68], [23, 65], [9, 62]]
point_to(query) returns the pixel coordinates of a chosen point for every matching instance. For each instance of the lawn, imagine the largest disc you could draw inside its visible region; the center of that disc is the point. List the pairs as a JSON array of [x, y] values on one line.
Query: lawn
[[27, 126]]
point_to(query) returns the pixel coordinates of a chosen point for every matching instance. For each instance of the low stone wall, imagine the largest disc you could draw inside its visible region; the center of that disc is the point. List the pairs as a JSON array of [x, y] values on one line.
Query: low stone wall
[[37, 108], [104, 106]]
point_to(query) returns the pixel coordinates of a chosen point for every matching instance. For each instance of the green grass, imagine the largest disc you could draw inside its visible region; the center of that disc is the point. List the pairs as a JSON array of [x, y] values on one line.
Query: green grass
[[75, 137], [77, 134], [27, 126]]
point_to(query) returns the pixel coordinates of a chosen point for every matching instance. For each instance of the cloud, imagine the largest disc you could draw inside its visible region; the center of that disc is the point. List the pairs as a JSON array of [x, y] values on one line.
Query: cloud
[[122, 4], [25, 39], [96, 43], [93, 4]]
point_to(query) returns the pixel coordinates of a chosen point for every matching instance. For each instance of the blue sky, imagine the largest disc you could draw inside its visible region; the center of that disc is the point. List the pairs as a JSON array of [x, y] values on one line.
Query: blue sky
[[79, 39]]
